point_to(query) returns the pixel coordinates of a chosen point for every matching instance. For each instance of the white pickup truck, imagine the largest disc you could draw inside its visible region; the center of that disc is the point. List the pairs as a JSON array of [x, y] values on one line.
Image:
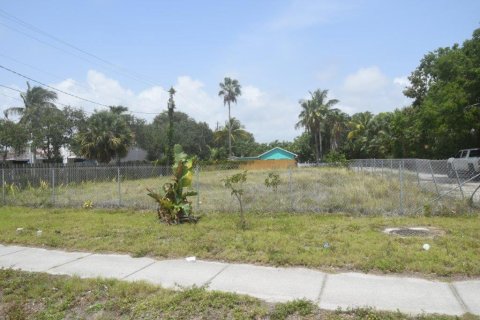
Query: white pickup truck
[[466, 161]]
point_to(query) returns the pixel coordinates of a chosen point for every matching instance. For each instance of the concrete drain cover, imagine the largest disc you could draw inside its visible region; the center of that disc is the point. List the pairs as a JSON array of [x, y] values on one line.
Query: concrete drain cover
[[413, 232]]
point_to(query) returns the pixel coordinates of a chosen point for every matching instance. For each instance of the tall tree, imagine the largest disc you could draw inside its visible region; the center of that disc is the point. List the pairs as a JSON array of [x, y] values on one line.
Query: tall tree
[[242, 141], [106, 137], [444, 86], [314, 115], [170, 143], [13, 136], [230, 89], [308, 120], [76, 122], [358, 135], [337, 122], [194, 137], [35, 101]]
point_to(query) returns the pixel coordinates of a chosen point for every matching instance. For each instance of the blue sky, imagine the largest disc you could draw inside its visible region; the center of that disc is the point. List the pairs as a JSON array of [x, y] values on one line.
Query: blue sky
[[361, 51]]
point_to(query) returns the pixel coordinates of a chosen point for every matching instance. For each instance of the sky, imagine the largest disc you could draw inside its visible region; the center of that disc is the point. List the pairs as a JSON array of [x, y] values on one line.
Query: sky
[[130, 53]]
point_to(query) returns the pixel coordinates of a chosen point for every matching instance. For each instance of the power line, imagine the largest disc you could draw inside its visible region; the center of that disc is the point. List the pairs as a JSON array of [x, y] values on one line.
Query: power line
[[129, 73], [13, 89], [7, 87], [57, 77], [63, 104], [126, 72], [28, 65], [6, 95], [52, 88]]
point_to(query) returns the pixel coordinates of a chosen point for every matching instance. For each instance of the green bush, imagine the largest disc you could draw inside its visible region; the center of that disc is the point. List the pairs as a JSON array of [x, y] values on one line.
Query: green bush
[[173, 204], [235, 184], [336, 158]]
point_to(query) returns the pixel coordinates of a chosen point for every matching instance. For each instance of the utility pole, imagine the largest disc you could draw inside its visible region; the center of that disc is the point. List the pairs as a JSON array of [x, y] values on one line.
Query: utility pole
[[171, 107]]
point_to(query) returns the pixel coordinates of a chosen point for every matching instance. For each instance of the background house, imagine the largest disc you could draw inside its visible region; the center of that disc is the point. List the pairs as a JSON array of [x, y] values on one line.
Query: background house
[[276, 158]]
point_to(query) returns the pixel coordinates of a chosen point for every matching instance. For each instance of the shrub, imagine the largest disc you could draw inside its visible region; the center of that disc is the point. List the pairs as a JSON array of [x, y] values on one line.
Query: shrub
[[272, 180], [235, 184], [336, 158], [173, 204]]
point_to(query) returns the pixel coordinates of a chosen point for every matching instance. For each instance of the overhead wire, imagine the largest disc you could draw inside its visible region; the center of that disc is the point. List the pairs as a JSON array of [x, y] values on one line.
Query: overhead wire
[[20, 91], [126, 72], [28, 65], [52, 88], [27, 25], [56, 77]]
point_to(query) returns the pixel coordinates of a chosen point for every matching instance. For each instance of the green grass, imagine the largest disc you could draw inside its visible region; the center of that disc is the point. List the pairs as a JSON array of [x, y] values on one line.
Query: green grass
[[26, 295], [300, 190], [356, 243]]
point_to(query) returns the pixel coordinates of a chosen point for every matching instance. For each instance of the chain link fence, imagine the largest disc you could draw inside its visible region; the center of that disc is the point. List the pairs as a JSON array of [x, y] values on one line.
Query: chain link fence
[[362, 186]]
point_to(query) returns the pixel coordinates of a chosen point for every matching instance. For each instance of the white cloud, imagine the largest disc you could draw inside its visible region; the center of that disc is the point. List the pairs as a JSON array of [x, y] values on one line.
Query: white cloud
[[365, 81], [253, 96], [402, 81], [268, 116], [370, 89]]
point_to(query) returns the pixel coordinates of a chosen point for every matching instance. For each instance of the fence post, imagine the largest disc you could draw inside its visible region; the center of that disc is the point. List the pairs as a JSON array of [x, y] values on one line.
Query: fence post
[[433, 177], [382, 168], [197, 173], [290, 187], [119, 189], [400, 173], [3, 187], [416, 169], [53, 186], [458, 180]]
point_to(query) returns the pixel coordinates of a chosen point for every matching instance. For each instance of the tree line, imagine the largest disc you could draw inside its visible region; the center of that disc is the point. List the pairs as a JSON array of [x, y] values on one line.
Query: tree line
[[444, 116]]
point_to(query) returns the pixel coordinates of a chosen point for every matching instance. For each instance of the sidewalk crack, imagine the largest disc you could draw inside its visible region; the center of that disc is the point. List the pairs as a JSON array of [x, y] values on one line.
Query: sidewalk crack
[[76, 259], [322, 289], [207, 283], [142, 268], [457, 296], [6, 254]]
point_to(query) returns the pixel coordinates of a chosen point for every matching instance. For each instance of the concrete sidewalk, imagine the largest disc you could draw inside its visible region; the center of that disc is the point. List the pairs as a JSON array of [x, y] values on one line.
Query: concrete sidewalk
[[329, 291]]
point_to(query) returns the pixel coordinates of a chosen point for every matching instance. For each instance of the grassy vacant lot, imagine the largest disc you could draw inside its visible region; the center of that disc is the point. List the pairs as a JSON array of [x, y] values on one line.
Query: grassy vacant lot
[[40, 296], [300, 190], [356, 243]]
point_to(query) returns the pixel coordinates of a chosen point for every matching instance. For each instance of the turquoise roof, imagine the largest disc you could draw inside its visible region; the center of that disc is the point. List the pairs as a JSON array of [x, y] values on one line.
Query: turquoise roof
[[277, 153]]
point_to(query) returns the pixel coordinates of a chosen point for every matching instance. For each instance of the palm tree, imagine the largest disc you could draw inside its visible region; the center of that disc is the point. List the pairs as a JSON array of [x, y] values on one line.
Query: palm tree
[[107, 137], [359, 133], [230, 89], [233, 132], [36, 100], [323, 109], [314, 115], [118, 109], [308, 120], [338, 121]]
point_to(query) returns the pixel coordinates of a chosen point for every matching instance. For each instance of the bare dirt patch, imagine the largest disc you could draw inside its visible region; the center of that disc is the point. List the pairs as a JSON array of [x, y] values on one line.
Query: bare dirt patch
[[426, 232]]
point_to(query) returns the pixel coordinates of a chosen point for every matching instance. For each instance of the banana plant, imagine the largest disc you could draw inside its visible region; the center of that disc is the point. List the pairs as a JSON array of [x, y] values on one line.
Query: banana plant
[[173, 204]]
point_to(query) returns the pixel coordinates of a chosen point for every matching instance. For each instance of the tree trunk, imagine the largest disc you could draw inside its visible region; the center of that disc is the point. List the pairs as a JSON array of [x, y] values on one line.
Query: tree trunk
[[320, 150], [315, 138], [33, 151], [4, 156], [229, 132]]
